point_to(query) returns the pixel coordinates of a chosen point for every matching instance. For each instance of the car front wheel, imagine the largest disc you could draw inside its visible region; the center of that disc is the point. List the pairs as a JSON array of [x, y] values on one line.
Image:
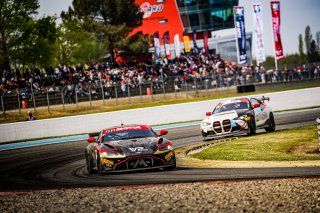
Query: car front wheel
[[272, 124], [89, 163], [252, 126]]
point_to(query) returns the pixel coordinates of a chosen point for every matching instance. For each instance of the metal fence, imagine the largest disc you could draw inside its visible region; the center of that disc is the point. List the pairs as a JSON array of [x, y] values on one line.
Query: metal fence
[[74, 94]]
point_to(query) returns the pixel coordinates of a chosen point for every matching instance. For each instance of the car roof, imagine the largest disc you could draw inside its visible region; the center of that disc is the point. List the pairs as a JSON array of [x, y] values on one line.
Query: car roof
[[129, 127]]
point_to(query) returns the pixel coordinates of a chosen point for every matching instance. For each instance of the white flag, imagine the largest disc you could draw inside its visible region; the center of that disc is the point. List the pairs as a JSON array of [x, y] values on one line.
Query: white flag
[[258, 32], [177, 47]]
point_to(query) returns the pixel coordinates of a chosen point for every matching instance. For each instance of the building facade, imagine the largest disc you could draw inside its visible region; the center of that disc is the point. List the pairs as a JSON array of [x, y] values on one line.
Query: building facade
[[193, 18]]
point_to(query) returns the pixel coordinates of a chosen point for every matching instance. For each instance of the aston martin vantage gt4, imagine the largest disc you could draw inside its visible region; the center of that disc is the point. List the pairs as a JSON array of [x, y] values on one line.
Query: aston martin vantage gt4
[[129, 147]]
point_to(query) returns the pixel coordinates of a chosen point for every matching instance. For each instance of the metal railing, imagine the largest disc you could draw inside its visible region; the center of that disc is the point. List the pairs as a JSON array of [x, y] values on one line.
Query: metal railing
[[74, 94]]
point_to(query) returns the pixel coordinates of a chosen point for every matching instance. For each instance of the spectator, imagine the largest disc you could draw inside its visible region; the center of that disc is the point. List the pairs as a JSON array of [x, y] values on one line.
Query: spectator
[[30, 116]]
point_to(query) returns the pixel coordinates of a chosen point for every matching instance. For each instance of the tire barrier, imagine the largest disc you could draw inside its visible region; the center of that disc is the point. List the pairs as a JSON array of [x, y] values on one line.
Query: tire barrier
[[200, 147], [246, 88]]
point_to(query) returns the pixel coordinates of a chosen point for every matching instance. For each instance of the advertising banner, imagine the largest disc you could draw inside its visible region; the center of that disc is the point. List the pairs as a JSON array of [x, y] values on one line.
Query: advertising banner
[[177, 47], [205, 41], [166, 39], [258, 32], [275, 11], [240, 34], [186, 42], [157, 50]]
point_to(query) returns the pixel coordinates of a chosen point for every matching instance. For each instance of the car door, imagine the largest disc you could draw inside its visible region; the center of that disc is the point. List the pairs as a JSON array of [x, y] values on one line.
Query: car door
[[257, 111]]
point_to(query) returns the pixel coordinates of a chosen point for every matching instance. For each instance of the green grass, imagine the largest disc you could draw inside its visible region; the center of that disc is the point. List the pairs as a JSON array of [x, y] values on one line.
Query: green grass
[[287, 145]]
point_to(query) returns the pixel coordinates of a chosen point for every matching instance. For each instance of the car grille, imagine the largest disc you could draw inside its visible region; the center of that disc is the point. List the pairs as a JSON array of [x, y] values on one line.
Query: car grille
[[222, 127]]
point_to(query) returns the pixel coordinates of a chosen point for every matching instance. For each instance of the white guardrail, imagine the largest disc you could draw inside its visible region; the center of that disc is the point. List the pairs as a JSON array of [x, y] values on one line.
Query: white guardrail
[[152, 116]]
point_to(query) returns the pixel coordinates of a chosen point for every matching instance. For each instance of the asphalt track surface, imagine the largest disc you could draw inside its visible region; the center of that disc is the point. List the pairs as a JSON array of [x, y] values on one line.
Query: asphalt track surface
[[62, 165]]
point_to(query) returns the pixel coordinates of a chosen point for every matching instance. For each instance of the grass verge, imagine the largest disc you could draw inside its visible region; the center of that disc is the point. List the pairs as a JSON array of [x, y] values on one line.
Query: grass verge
[[288, 145]]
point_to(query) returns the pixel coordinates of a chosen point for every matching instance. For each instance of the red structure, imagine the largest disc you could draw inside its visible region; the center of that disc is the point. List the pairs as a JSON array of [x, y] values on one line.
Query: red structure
[[160, 16]]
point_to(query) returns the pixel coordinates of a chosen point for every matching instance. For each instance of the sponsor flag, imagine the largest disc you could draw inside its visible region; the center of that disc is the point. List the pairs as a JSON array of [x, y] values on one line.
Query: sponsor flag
[[186, 41], [166, 38], [205, 41], [157, 50], [275, 11], [258, 32], [177, 47], [240, 34], [195, 46]]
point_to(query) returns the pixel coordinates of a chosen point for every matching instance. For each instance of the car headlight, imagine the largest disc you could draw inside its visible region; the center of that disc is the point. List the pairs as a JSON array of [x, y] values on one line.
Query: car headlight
[[205, 124], [166, 148], [244, 117], [110, 154]]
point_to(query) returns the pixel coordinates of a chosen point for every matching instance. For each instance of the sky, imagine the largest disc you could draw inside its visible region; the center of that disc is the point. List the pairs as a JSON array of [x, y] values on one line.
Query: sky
[[295, 16]]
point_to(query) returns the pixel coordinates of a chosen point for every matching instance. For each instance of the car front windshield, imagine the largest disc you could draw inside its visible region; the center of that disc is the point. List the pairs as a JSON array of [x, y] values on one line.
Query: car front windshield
[[223, 107], [123, 135]]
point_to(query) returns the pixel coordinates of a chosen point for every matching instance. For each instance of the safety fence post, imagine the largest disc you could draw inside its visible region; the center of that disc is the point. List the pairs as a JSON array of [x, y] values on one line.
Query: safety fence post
[[116, 93], [2, 105], [48, 102], [129, 94], [62, 96], [90, 97], [318, 121], [140, 90], [77, 101], [19, 101]]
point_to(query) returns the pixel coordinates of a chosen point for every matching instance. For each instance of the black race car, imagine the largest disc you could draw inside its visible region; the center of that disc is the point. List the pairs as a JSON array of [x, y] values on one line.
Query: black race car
[[129, 147]]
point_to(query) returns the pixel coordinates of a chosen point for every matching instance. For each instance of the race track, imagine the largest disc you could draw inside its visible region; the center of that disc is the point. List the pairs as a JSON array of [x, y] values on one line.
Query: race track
[[63, 165]]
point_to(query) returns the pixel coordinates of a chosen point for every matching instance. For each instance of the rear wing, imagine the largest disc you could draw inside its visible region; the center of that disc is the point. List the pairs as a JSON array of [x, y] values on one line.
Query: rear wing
[[94, 134], [264, 99]]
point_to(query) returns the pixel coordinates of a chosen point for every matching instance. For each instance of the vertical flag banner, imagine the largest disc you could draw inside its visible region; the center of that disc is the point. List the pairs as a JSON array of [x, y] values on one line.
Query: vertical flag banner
[[186, 41], [195, 46], [156, 45], [177, 47], [205, 41], [275, 11], [240, 34], [258, 32], [167, 47]]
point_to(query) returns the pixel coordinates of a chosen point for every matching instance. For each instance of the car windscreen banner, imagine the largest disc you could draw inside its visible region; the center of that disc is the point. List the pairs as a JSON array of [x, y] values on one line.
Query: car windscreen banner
[[177, 47], [258, 32], [157, 49], [275, 11], [240, 34]]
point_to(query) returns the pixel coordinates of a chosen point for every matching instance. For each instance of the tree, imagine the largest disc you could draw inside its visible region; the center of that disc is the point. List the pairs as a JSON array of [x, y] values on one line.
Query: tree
[[39, 48], [308, 39], [318, 41], [313, 52], [302, 55], [15, 17], [114, 19], [76, 46]]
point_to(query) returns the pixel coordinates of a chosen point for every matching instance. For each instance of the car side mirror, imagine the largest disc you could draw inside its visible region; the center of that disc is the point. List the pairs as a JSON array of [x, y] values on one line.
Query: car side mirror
[[91, 140], [208, 113], [163, 132], [256, 105]]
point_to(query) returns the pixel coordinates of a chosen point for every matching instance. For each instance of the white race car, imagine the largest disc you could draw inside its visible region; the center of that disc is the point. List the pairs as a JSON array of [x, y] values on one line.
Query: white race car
[[238, 116]]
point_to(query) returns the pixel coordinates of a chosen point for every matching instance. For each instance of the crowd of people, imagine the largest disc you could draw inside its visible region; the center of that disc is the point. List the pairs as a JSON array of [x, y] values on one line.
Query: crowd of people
[[187, 69]]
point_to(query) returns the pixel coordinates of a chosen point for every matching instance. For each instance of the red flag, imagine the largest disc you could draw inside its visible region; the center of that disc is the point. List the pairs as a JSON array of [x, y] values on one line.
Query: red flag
[[275, 10], [205, 41]]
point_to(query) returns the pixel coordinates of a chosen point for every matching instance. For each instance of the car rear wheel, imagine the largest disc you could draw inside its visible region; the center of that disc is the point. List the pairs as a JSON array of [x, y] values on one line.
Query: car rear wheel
[[89, 163], [252, 126], [272, 124]]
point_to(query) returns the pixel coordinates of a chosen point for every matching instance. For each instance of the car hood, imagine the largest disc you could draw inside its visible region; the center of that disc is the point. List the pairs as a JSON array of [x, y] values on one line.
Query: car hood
[[136, 146], [222, 116]]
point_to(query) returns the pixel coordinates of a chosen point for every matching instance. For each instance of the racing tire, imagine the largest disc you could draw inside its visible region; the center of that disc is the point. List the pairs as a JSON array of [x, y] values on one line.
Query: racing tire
[[99, 166], [169, 168], [89, 164], [252, 127], [272, 124]]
